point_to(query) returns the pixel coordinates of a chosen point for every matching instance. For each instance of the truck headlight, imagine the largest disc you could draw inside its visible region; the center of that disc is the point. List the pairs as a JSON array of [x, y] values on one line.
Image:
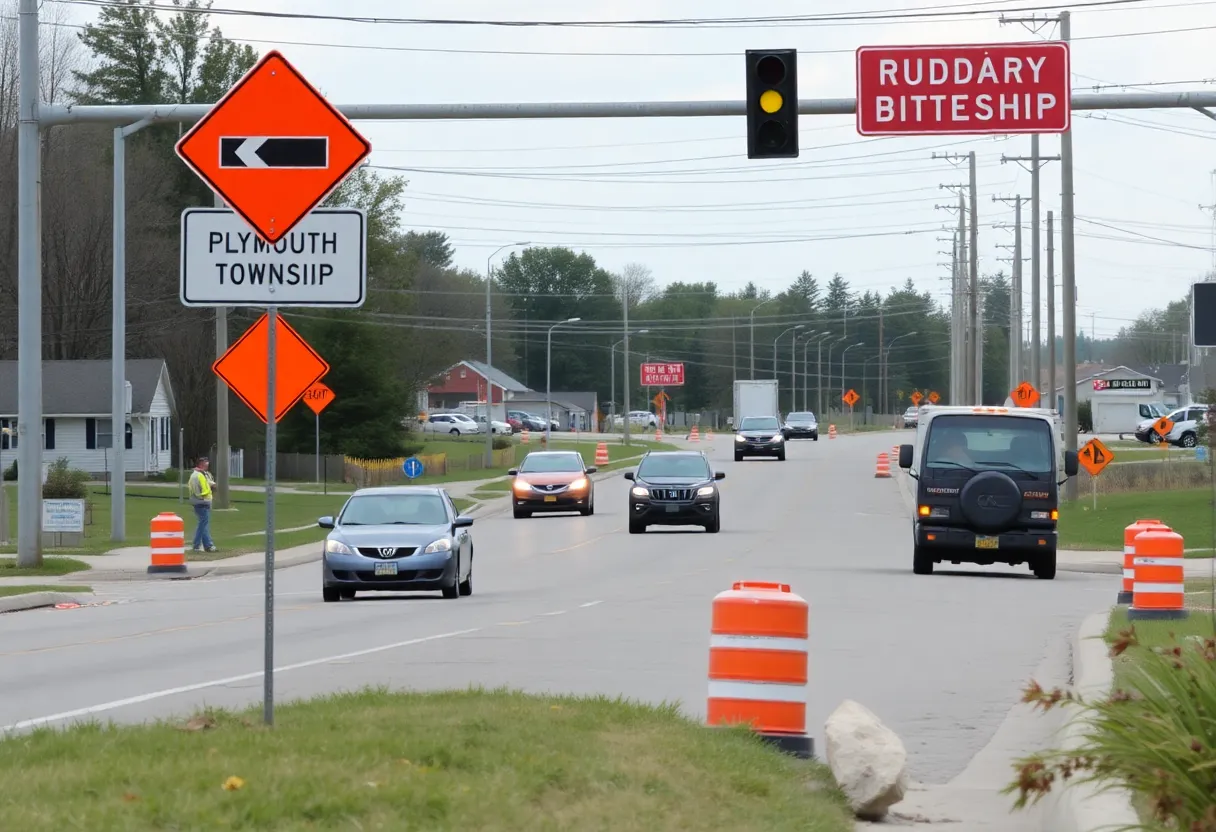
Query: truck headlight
[[740, 438], [705, 491], [638, 491]]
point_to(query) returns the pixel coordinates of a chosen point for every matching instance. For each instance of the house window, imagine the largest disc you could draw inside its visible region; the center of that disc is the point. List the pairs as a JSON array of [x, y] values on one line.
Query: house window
[[464, 373], [8, 441], [164, 433], [48, 434], [98, 435]]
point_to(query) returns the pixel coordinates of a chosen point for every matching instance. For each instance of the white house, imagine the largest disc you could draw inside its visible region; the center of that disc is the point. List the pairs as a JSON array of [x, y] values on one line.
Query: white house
[[76, 415]]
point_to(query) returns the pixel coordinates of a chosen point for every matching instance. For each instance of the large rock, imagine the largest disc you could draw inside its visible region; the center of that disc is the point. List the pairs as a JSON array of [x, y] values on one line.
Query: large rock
[[867, 759]]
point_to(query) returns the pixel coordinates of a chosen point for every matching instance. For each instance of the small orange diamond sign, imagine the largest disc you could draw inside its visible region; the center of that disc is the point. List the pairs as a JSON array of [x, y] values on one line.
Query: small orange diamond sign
[[318, 397], [1162, 427], [934, 398], [1095, 456], [1024, 395], [916, 398], [245, 367], [850, 398]]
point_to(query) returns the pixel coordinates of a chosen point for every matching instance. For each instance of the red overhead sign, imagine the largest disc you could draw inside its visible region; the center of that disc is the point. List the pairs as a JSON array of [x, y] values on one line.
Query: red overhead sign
[[662, 374], [986, 89]]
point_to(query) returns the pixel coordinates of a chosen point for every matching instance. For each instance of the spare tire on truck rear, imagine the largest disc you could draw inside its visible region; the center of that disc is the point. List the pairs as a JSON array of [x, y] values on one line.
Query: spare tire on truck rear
[[991, 502]]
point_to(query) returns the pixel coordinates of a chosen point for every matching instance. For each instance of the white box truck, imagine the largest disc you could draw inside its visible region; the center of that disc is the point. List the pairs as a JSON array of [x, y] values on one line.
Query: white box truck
[[755, 398]]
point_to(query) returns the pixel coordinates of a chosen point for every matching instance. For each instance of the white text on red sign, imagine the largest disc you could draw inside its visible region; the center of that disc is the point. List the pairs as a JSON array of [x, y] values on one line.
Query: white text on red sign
[[997, 88]]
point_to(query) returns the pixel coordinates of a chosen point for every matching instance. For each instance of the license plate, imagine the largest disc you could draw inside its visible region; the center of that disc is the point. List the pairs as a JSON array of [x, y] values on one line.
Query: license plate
[[983, 542], [672, 509], [550, 499], [386, 569]]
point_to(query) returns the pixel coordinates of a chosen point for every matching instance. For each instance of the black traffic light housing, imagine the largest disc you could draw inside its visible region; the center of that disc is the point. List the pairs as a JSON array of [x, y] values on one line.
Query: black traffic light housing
[[772, 103]]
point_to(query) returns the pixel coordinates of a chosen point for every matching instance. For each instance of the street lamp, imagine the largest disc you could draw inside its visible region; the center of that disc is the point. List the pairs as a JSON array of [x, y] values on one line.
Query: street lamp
[[549, 376], [612, 394], [818, 339], [806, 366], [793, 329], [864, 378], [884, 371], [831, 347], [751, 337], [844, 355], [490, 360]]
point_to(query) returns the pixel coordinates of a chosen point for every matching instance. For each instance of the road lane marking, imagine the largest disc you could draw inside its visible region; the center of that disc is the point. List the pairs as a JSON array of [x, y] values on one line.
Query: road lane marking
[[589, 604], [558, 612], [214, 683], [587, 542]]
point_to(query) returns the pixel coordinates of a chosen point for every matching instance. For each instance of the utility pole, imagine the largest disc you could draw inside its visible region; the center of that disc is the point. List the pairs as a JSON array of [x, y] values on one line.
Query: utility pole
[[1015, 293], [880, 364], [222, 453], [958, 327], [975, 386], [1051, 310], [1036, 162]]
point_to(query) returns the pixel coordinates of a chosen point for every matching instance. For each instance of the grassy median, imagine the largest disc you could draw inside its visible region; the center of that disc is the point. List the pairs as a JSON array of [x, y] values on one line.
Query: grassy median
[[1188, 512], [469, 760], [26, 589]]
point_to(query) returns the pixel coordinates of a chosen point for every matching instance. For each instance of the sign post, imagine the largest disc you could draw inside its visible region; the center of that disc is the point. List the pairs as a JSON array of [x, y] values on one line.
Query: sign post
[[1095, 456], [850, 398], [272, 149], [318, 398]]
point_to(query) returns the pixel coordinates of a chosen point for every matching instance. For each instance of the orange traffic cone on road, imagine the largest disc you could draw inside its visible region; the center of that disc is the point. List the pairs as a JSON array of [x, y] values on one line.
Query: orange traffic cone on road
[[523, 436], [883, 469], [709, 434], [831, 431], [758, 665], [695, 435], [894, 452], [601, 453], [658, 434], [168, 544]]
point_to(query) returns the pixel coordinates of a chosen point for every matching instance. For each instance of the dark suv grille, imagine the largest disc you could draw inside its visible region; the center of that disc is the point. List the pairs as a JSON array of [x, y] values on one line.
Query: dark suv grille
[[392, 552], [671, 494]]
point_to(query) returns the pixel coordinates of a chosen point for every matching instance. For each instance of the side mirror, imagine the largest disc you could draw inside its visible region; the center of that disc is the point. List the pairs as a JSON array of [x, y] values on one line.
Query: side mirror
[[326, 522], [462, 522], [905, 457], [591, 470], [1070, 463], [629, 475], [512, 472], [719, 475]]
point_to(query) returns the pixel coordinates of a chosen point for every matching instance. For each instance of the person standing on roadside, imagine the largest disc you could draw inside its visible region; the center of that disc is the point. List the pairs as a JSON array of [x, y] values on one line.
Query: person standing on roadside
[[200, 498]]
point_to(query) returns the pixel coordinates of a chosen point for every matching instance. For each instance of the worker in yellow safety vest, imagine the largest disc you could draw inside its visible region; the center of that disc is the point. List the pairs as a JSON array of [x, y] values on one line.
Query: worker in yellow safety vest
[[200, 497]]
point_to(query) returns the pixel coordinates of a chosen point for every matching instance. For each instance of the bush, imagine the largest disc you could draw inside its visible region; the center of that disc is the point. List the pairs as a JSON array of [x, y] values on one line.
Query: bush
[[1085, 417], [170, 474], [64, 483], [10, 473], [501, 443], [412, 444], [1158, 741]]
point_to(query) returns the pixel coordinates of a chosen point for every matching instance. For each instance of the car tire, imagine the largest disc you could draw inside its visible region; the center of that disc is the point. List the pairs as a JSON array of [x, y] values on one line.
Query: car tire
[[522, 514], [330, 594], [922, 561], [738, 457], [781, 455], [814, 437], [1189, 440], [346, 594], [1045, 567], [715, 524], [454, 432], [466, 586], [453, 591], [1154, 438], [637, 527]]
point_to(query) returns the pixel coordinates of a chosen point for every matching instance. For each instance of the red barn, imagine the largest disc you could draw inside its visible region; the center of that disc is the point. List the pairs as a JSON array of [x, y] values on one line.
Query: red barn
[[467, 381]]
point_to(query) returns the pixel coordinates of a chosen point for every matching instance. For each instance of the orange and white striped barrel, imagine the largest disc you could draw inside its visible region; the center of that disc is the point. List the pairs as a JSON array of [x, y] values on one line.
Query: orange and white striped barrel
[[758, 663], [658, 434], [601, 453], [883, 469], [523, 436], [895, 452], [1158, 591], [709, 434], [831, 431], [1129, 554], [168, 544], [695, 434]]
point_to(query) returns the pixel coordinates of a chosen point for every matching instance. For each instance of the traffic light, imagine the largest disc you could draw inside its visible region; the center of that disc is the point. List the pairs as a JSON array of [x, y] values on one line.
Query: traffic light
[[772, 103]]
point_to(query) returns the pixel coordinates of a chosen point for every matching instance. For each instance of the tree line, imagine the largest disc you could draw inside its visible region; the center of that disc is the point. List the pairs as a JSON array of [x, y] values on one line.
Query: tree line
[[422, 313]]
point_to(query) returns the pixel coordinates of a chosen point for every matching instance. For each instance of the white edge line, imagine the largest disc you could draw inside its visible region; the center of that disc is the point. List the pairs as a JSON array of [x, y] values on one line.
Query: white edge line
[[244, 677], [557, 612], [589, 604]]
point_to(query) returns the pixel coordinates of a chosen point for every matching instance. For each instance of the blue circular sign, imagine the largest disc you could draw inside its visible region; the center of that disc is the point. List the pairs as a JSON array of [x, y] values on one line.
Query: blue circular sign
[[413, 467]]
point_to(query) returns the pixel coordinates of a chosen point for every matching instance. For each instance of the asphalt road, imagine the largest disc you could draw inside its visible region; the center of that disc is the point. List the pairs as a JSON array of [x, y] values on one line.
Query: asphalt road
[[574, 604]]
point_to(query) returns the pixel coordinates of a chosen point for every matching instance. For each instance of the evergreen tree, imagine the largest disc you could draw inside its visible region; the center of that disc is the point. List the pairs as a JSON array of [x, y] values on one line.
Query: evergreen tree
[[129, 67]]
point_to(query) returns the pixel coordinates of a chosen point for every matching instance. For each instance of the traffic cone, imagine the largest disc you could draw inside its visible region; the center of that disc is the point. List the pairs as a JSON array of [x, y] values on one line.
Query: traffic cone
[[695, 436], [831, 431], [601, 453], [883, 469], [894, 452], [658, 434], [709, 434], [523, 436]]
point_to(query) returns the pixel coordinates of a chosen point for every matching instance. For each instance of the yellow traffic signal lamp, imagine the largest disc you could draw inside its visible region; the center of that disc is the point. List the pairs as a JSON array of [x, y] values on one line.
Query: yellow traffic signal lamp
[[772, 103]]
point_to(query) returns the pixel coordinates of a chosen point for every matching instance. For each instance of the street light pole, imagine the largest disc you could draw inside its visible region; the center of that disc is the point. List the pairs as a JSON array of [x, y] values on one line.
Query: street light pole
[[865, 369], [885, 381], [806, 368], [549, 377], [751, 336], [793, 329], [490, 360], [831, 347], [612, 389], [843, 356]]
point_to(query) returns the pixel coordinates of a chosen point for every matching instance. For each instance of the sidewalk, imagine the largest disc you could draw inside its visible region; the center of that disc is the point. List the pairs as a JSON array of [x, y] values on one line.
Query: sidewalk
[[1112, 562]]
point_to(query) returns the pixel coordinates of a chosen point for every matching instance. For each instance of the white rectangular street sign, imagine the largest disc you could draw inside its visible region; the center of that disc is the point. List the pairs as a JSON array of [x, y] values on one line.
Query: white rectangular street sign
[[320, 262]]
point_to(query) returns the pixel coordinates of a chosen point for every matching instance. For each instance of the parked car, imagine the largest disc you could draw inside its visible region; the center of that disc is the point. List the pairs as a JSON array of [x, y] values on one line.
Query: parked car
[[527, 420], [637, 418], [499, 428], [552, 481], [455, 424], [397, 539], [516, 424]]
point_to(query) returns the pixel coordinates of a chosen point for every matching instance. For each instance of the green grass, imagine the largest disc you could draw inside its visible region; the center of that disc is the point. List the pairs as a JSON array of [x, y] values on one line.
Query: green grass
[[502, 486], [50, 566], [9, 591], [469, 760], [462, 504], [1188, 512], [1201, 623]]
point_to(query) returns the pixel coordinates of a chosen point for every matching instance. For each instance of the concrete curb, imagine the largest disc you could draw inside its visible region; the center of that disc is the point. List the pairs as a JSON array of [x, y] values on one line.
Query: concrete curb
[[35, 600], [1085, 807], [196, 570]]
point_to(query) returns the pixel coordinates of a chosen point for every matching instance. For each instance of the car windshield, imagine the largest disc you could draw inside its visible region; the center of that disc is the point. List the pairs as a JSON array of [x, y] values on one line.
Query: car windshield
[[551, 463], [394, 510], [800, 417], [687, 466], [994, 443], [759, 423]]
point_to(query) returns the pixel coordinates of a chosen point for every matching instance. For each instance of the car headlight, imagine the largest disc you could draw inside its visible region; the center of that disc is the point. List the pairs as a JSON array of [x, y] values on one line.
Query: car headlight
[[337, 547], [522, 486], [441, 545], [705, 491], [739, 438], [778, 438], [579, 484], [638, 491]]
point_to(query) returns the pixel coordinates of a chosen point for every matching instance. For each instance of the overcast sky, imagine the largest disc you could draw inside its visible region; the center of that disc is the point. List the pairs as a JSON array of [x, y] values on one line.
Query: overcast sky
[[681, 196]]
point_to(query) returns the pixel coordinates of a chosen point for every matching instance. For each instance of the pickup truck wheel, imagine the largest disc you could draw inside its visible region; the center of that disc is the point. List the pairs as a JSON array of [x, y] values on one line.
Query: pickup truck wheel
[[1045, 567], [922, 561]]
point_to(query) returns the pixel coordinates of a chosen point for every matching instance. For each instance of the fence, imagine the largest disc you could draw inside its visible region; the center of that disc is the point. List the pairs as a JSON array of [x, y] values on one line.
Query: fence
[[364, 473], [293, 467]]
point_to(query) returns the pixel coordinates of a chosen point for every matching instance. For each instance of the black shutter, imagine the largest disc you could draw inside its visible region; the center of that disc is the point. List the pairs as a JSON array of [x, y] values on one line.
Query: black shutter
[[90, 434], [129, 436], [50, 434]]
